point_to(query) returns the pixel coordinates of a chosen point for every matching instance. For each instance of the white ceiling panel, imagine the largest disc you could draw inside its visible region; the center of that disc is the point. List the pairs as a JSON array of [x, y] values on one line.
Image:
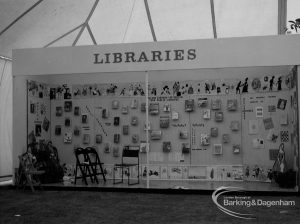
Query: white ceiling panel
[[237, 18], [181, 19], [110, 19], [50, 20], [10, 10]]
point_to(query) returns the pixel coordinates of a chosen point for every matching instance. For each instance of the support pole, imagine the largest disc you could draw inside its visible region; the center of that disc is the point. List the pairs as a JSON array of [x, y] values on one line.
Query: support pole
[[147, 129]]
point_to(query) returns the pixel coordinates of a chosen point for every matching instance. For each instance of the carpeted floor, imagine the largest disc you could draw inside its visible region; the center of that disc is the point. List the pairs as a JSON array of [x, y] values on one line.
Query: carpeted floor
[[121, 207]]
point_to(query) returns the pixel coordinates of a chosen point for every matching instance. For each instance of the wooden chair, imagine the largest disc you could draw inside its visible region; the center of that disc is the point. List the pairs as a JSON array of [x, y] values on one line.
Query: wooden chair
[[84, 165], [27, 173], [130, 158], [95, 163]]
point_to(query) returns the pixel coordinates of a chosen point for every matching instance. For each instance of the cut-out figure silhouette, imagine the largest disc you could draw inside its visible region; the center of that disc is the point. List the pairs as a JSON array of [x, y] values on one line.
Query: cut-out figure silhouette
[[271, 83], [279, 81], [237, 89], [207, 88], [245, 86]]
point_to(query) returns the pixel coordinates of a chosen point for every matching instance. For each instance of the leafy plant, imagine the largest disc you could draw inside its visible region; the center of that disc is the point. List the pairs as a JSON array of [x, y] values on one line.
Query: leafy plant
[[295, 24]]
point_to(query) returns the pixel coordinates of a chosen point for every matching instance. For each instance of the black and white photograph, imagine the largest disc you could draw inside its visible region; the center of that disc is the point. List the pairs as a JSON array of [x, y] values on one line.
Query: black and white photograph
[[148, 111]]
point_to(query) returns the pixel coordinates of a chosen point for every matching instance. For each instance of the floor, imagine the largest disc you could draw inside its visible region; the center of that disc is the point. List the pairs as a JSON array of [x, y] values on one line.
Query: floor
[[23, 206], [173, 184]]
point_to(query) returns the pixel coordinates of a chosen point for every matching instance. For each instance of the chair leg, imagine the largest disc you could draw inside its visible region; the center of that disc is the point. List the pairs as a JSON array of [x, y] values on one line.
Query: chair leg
[[94, 171], [83, 175], [128, 175], [138, 174], [75, 174], [29, 181], [102, 172], [90, 173]]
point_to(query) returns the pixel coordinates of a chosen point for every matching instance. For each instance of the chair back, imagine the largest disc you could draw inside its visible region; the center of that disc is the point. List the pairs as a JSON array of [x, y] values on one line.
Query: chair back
[[80, 154], [26, 161], [92, 154], [130, 154]]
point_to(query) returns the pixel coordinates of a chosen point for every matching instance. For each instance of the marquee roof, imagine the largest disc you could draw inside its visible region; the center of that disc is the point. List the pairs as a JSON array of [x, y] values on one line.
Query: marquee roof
[[50, 23]]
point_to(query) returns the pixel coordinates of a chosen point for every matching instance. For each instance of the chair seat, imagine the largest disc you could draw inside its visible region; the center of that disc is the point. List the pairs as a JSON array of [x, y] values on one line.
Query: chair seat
[[36, 172]]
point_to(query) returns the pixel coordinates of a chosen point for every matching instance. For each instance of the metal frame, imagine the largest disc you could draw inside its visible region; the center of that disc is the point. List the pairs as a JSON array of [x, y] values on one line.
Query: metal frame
[[21, 16], [85, 24], [150, 20], [213, 17], [282, 16]]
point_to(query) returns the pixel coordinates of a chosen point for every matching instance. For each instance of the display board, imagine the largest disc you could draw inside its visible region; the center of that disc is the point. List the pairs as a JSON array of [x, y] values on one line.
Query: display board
[[222, 130], [267, 122], [38, 112]]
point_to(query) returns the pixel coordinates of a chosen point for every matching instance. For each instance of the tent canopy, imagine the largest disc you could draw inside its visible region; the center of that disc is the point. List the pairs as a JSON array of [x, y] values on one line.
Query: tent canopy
[[38, 23]]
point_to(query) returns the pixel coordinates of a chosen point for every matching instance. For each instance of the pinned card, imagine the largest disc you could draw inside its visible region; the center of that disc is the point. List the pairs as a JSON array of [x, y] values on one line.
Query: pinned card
[[167, 107], [268, 123], [86, 139], [68, 137], [107, 148], [258, 143], [134, 104], [115, 104], [283, 118], [204, 139], [154, 108], [281, 104], [98, 139], [189, 105], [147, 126], [175, 116], [216, 104], [272, 135], [236, 148], [253, 127], [217, 150], [259, 111], [124, 110], [225, 138], [271, 108], [206, 114], [202, 102], [232, 104]]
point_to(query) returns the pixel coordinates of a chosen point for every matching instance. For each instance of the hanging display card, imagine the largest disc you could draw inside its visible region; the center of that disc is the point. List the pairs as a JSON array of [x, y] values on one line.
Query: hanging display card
[[86, 139], [272, 135], [283, 118], [217, 150], [202, 102], [258, 143], [281, 104], [204, 139], [232, 105], [175, 115], [253, 127], [259, 111], [68, 137], [268, 123], [189, 105], [206, 114]]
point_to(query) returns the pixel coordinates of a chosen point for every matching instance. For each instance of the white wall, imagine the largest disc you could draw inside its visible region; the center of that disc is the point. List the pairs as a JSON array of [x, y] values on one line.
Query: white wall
[[20, 115], [5, 118]]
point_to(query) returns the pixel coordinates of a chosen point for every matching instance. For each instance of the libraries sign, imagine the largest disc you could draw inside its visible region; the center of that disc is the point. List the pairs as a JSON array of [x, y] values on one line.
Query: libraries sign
[[145, 56]]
